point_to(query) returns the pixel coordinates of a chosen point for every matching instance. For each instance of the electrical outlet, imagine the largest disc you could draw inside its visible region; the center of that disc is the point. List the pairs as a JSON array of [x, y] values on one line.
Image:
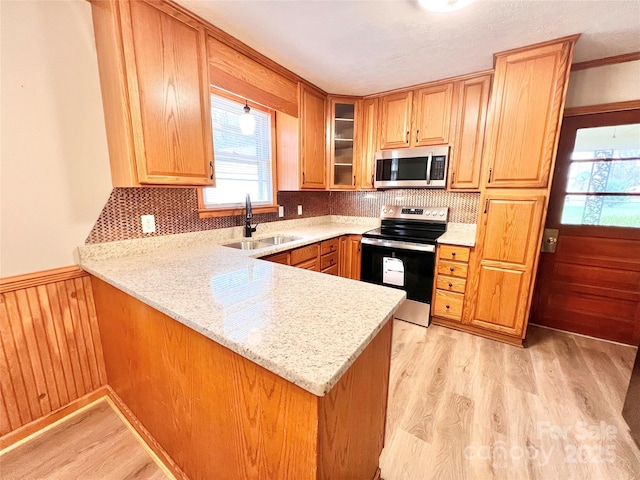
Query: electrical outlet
[[148, 223], [281, 211], [299, 209]]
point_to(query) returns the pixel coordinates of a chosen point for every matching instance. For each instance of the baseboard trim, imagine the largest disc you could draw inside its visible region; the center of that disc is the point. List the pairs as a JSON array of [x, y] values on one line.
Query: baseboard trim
[[12, 439], [17, 282], [582, 335], [157, 450]]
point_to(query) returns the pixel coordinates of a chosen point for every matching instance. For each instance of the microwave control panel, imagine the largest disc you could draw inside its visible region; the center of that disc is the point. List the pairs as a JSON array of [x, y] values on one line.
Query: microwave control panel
[[438, 163]]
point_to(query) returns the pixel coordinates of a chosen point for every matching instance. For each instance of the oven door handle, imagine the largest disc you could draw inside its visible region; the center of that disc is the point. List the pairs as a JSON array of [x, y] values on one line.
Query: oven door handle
[[399, 245]]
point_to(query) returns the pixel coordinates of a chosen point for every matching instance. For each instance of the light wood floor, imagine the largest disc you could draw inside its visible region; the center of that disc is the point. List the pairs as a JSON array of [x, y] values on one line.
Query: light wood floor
[[463, 407], [94, 444]]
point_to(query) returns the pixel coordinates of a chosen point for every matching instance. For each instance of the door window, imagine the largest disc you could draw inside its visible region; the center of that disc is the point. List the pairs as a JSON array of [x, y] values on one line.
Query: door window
[[603, 181]]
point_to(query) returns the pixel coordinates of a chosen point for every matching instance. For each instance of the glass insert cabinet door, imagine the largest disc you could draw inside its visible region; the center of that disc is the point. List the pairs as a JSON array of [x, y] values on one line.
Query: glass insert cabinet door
[[342, 144], [603, 178]]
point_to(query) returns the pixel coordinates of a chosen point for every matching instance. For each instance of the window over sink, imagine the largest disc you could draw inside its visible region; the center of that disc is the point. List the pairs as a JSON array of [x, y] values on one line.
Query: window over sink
[[243, 163]]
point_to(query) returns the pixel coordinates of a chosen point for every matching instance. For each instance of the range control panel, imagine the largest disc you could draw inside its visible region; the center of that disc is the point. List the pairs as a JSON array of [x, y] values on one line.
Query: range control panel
[[425, 214]]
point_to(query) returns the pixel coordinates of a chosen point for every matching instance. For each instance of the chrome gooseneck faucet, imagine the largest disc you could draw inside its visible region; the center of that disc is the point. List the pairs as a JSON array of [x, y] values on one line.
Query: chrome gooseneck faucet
[[248, 229]]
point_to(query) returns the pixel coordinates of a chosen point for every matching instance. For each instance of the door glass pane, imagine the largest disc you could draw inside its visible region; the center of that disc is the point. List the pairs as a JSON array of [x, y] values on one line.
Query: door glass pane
[[605, 160]]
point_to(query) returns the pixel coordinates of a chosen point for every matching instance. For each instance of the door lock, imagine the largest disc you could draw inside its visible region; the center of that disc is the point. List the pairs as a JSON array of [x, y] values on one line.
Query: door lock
[[550, 240]]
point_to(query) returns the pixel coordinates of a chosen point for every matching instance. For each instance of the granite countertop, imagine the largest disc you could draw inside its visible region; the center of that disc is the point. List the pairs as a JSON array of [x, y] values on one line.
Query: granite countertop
[[307, 327], [459, 234]]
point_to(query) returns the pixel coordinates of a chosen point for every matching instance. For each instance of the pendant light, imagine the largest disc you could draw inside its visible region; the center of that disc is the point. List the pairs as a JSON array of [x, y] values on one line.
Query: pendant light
[[247, 122], [444, 5]]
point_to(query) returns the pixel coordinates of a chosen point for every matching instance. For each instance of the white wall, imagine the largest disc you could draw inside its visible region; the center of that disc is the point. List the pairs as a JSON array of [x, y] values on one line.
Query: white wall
[[54, 167], [606, 84]]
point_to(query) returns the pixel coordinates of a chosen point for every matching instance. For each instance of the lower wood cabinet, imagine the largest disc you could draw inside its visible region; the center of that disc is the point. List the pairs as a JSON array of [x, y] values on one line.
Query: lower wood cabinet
[[450, 282], [338, 256]]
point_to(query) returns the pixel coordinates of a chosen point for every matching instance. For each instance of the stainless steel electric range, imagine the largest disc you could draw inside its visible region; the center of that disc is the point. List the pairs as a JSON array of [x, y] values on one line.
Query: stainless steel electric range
[[401, 254]]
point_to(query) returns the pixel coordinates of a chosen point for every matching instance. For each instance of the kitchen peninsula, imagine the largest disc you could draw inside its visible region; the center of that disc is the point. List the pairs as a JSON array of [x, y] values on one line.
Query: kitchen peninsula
[[242, 368]]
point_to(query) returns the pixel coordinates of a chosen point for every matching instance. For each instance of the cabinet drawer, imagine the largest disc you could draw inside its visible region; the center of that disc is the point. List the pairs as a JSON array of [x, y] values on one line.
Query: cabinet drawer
[[284, 258], [453, 269], [451, 284], [302, 254], [332, 270], [448, 305], [452, 252], [329, 260], [309, 265], [329, 246]]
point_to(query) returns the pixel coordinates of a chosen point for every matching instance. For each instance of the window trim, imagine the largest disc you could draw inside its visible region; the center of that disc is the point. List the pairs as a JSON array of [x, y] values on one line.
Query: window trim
[[209, 212]]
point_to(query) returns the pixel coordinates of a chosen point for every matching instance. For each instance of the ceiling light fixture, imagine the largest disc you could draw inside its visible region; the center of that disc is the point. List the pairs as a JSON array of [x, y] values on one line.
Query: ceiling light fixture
[[444, 5], [247, 122]]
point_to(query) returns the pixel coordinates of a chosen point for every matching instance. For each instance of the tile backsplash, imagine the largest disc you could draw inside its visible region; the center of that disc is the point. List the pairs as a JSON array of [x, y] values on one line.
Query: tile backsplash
[[176, 209]]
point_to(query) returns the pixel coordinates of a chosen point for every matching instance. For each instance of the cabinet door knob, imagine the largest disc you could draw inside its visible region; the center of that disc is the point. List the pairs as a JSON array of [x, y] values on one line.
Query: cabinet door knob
[[486, 205], [417, 138], [407, 139], [211, 165], [304, 178], [354, 180], [489, 178], [372, 179]]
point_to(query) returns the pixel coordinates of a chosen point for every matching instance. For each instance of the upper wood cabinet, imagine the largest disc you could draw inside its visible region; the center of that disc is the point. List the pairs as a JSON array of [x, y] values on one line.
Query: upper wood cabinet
[[395, 120], [313, 143], [502, 273], [155, 91], [432, 115], [416, 118], [343, 128], [301, 144], [466, 152], [368, 136], [526, 109]]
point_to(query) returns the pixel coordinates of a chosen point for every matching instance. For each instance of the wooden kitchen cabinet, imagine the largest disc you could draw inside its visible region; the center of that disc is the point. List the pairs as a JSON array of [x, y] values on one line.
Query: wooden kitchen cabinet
[[368, 135], [343, 147], [350, 256], [155, 91], [466, 153], [417, 118], [432, 115], [450, 283], [395, 120], [301, 143], [526, 110], [501, 277], [313, 159]]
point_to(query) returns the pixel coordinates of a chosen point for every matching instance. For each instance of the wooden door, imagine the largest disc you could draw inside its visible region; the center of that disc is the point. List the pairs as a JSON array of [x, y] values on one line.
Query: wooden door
[[395, 120], [368, 133], [526, 109], [312, 139], [591, 284], [169, 89], [508, 243], [432, 115], [466, 153]]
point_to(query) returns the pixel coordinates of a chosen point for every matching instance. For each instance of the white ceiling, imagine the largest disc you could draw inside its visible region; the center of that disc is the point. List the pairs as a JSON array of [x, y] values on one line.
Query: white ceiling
[[369, 46]]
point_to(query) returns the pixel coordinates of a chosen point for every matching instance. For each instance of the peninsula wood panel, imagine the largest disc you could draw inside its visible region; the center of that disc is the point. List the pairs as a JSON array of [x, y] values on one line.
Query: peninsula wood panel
[[232, 71], [395, 120], [219, 415], [50, 350], [526, 110]]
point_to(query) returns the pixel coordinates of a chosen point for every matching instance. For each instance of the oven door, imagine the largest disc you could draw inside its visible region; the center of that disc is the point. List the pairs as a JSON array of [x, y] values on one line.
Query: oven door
[[408, 267]]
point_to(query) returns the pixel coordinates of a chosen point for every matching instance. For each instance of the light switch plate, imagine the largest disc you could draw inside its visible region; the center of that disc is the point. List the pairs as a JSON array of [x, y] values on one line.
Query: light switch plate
[[148, 223], [281, 211], [299, 209]]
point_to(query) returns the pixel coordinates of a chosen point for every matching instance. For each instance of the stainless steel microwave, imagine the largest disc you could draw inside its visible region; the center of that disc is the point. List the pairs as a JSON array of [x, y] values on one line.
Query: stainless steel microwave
[[423, 167]]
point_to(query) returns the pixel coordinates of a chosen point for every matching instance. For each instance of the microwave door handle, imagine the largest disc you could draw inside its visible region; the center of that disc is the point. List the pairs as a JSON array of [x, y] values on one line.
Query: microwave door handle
[[429, 168]]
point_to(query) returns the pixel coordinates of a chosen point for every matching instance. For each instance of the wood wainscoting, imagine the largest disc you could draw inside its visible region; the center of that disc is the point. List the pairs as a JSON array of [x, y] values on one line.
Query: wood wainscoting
[[50, 350]]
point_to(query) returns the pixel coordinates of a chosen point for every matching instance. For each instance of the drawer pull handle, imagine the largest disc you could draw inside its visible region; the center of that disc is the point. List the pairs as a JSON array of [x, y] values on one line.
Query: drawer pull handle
[[451, 269], [453, 254], [447, 306], [450, 285], [332, 261]]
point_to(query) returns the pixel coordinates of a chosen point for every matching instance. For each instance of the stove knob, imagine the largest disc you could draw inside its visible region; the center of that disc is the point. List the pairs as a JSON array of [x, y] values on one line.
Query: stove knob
[[384, 210], [391, 210], [434, 213], [442, 214]]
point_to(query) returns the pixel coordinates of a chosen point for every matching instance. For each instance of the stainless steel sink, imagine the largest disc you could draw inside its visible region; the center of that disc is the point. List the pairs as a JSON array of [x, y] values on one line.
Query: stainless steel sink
[[248, 245], [262, 242]]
